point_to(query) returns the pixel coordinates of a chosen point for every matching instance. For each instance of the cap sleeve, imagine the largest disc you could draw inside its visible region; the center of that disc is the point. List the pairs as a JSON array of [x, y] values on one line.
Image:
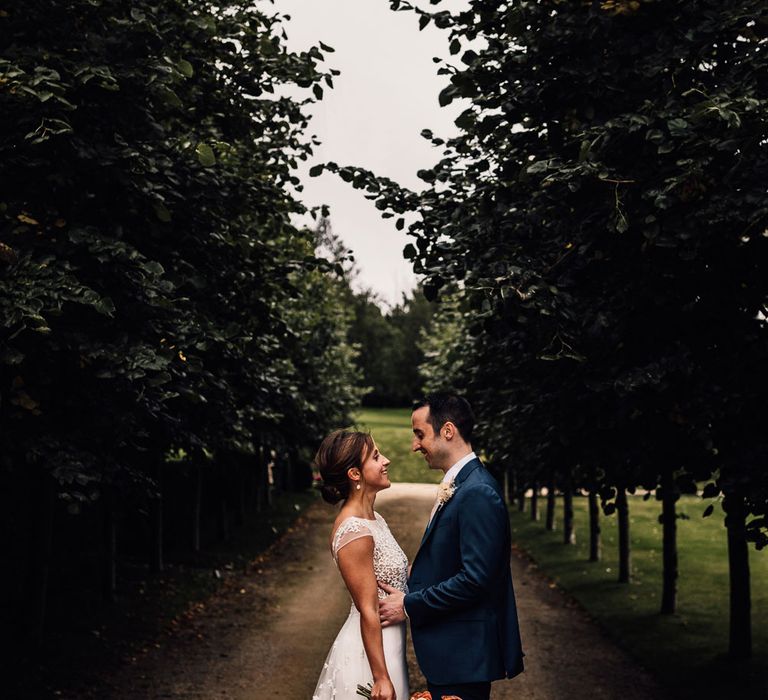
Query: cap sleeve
[[350, 530]]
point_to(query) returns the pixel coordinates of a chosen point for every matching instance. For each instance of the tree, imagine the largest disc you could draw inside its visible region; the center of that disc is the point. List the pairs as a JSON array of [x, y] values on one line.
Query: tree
[[155, 298], [602, 210], [388, 341]]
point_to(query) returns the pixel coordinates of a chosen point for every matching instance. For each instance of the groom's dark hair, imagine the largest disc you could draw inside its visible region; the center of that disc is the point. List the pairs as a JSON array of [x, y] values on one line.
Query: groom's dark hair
[[444, 407]]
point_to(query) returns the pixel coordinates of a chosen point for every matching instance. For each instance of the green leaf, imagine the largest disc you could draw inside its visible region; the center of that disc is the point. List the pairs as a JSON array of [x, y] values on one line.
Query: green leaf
[[170, 97], [678, 127], [12, 356], [655, 136], [540, 166], [185, 68], [154, 267], [466, 120], [316, 170], [159, 379], [446, 95], [162, 213], [205, 155], [105, 306]]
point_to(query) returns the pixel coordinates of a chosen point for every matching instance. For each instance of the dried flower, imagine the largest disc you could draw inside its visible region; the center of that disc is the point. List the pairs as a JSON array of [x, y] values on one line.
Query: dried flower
[[445, 492]]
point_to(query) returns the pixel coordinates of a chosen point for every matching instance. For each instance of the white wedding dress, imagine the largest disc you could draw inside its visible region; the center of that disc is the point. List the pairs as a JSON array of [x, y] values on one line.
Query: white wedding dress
[[346, 665]]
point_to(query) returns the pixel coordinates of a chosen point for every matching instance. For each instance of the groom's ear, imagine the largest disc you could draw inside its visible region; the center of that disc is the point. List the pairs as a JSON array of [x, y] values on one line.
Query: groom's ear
[[448, 431]]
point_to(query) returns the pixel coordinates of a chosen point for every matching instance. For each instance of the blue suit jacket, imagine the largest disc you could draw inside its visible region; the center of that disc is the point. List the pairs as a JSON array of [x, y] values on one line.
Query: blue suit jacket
[[461, 604]]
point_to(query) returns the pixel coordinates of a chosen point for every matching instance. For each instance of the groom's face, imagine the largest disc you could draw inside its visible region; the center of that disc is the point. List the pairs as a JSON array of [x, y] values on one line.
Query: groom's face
[[432, 446]]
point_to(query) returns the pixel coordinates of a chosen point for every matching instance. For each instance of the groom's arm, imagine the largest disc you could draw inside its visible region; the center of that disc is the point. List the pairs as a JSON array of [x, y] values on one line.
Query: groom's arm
[[482, 524]]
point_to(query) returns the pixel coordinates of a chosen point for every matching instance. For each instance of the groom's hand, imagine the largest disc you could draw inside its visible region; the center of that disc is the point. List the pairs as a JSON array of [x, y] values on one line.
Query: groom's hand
[[391, 610]]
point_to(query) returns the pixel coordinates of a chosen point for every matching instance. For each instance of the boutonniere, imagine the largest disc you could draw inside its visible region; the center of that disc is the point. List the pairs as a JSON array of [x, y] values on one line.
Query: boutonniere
[[445, 492]]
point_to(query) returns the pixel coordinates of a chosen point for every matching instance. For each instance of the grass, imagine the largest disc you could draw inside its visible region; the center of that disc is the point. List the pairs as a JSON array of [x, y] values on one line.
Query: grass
[[391, 428], [686, 651]]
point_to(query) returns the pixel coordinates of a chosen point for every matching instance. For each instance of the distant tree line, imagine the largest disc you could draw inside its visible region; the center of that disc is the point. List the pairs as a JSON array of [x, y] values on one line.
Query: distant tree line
[[596, 234], [390, 355]]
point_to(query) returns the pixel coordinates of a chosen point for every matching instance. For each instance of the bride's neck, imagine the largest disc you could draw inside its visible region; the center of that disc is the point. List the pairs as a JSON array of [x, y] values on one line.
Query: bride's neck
[[361, 504]]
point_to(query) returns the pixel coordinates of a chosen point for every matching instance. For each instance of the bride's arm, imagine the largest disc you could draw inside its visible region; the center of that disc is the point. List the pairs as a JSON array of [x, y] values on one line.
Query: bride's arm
[[356, 565]]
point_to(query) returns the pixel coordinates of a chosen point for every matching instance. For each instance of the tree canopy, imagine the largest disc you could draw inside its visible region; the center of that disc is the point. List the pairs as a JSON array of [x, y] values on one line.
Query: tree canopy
[[602, 215], [167, 335]]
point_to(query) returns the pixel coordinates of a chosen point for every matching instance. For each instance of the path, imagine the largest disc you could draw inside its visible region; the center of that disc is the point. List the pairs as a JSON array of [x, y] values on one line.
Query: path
[[266, 634]]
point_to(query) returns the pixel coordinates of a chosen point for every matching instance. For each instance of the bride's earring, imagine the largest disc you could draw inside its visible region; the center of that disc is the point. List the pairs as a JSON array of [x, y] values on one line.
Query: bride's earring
[[358, 487]]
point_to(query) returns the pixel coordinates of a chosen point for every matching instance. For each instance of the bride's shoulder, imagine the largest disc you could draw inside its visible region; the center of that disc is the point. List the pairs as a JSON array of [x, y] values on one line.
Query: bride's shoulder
[[348, 523], [349, 529]]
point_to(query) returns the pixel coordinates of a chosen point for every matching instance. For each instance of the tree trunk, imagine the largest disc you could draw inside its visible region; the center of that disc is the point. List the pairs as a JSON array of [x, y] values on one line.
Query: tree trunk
[[521, 499], [569, 535], [269, 482], [535, 501], [262, 484], [550, 521], [41, 561], [507, 490], [223, 506], [622, 512], [109, 548], [281, 464], [669, 524], [740, 637], [156, 523], [241, 482], [290, 475], [595, 544], [197, 499]]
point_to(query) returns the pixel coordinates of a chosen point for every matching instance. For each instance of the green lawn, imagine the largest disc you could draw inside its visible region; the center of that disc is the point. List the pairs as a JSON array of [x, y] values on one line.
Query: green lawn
[[391, 428], [687, 650]]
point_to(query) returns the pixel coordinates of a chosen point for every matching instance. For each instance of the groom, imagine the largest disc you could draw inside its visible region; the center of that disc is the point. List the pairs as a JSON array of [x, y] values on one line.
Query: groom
[[460, 604]]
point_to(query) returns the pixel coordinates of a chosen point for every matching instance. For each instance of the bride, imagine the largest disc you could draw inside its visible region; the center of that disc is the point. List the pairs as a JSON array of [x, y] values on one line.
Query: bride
[[363, 654]]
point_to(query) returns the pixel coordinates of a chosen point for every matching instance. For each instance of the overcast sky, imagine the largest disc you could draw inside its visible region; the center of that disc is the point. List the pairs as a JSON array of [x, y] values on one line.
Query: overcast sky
[[386, 94]]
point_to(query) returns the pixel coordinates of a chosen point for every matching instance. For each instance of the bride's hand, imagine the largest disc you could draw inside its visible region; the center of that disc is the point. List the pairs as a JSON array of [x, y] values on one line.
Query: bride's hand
[[383, 690]]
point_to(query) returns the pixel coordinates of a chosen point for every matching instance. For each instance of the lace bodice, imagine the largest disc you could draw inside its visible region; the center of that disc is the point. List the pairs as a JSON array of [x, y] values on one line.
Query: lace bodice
[[389, 561]]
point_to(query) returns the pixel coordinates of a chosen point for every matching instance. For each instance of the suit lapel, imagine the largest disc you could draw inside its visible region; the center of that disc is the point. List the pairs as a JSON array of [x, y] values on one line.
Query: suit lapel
[[461, 477], [466, 470]]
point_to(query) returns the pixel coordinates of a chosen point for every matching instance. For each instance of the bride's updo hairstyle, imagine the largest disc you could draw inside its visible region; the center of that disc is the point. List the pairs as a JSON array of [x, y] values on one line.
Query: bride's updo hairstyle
[[338, 453]]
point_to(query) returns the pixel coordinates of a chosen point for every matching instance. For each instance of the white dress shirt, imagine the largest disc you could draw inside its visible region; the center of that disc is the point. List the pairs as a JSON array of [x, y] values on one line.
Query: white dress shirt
[[453, 472], [449, 476]]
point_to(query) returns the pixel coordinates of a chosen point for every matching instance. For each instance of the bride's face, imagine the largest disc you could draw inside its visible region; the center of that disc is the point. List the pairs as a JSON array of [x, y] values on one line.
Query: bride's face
[[374, 471]]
